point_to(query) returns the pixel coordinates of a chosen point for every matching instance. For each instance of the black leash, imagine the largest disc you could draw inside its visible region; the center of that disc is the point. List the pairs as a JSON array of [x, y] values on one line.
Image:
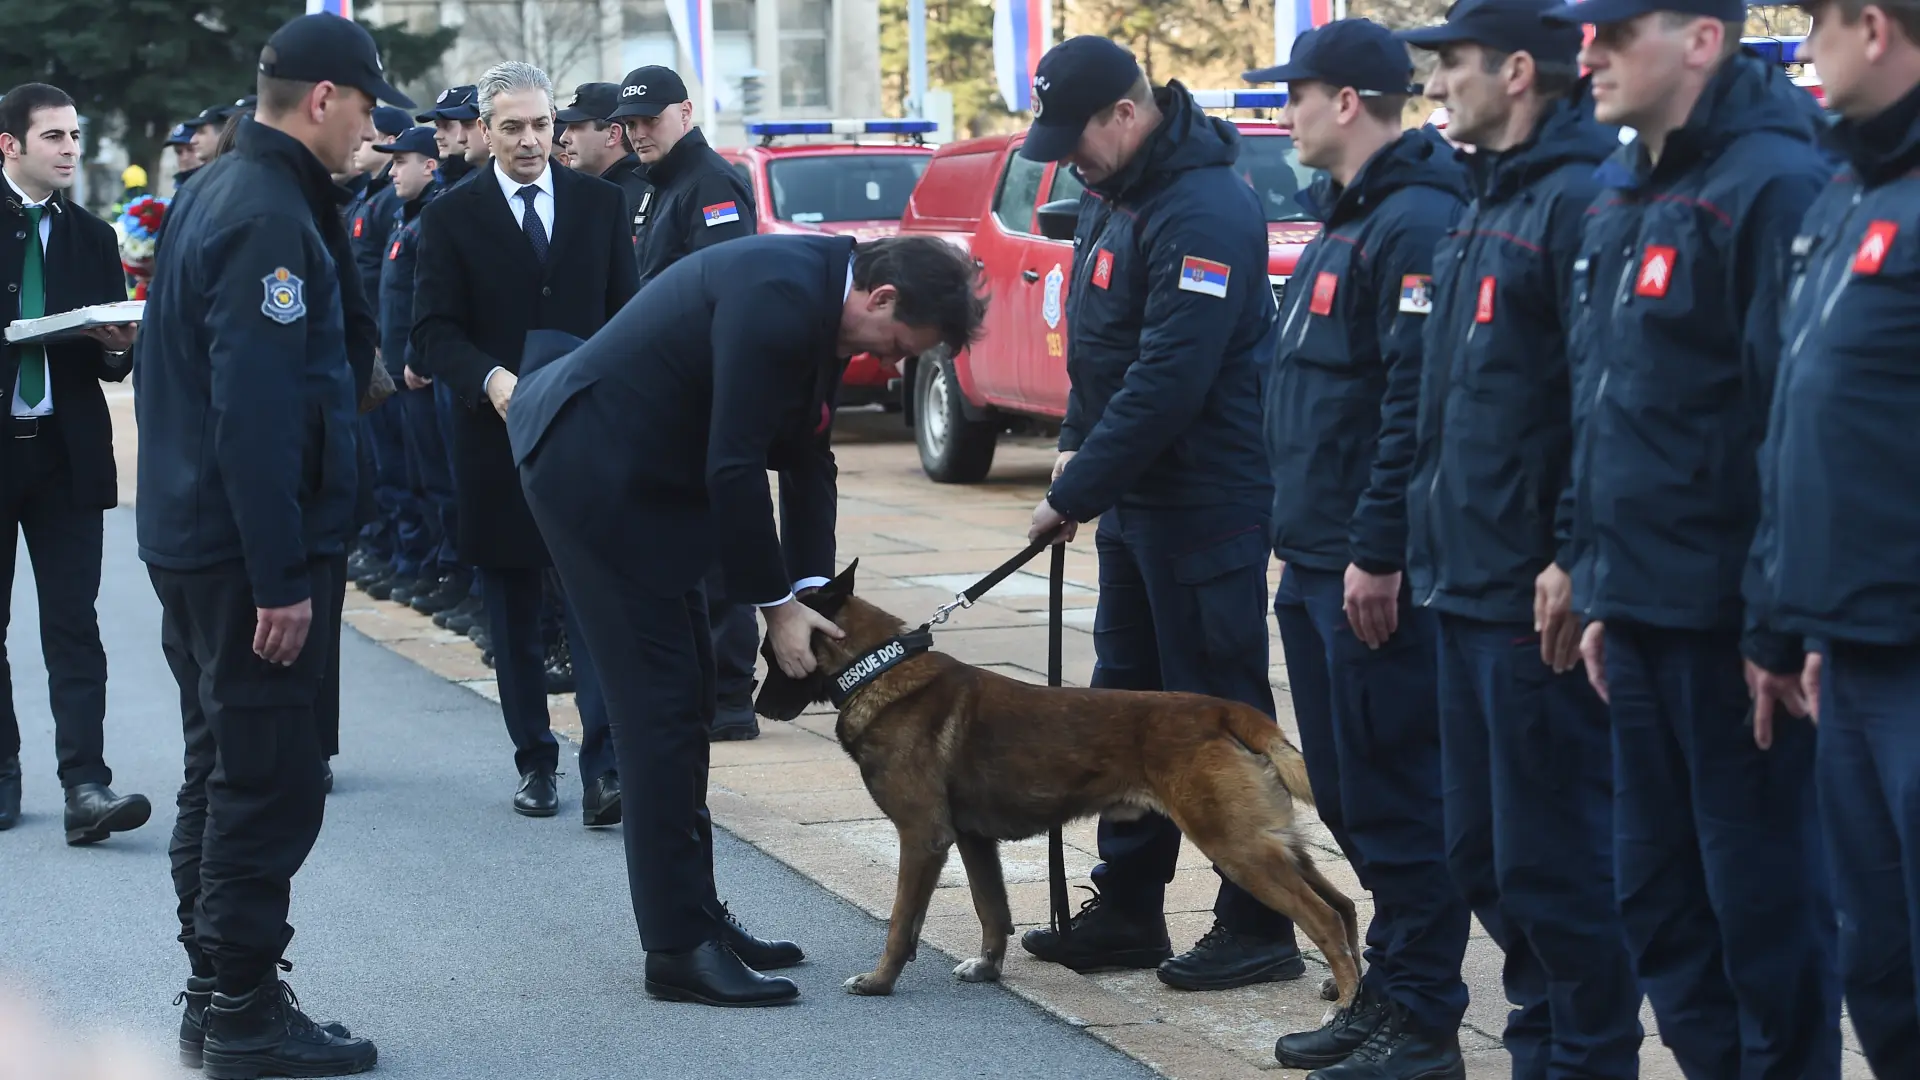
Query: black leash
[[985, 585], [1056, 845]]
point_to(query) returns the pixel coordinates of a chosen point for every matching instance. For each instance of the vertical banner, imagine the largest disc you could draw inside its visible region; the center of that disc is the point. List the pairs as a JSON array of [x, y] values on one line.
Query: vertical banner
[[1291, 18], [1022, 32], [693, 25], [342, 8]]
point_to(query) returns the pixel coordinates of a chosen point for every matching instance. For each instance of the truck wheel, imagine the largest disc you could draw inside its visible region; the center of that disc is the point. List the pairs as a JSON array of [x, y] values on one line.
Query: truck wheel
[[953, 449]]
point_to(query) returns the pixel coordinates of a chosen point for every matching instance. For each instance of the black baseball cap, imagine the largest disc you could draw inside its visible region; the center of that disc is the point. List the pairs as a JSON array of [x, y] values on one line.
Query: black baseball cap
[[1601, 12], [454, 103], [414, 140], [328, 48], [1072, 83], [390, 121], [647, 91], [1346, 52], [182, 134], [245, 104], [212, 114], [591, 101], [1508, 26]]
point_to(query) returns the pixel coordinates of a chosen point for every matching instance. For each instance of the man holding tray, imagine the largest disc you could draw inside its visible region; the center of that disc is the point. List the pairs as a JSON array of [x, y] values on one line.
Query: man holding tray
[[56, 461]]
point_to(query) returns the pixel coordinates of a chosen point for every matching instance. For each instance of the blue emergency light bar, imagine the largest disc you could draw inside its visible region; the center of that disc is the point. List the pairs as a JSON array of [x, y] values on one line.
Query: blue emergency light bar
[[1240, 99], [1778, 50], [767, 129]]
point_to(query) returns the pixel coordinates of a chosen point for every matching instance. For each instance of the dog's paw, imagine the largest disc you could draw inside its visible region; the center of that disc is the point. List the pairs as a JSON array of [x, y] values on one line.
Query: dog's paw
[[1329, 990], [978, 970], [868, 985]]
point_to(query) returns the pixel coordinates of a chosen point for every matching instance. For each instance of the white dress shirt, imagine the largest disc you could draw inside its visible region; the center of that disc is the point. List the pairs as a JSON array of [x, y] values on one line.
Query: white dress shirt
[[542, 208], [45, 408]]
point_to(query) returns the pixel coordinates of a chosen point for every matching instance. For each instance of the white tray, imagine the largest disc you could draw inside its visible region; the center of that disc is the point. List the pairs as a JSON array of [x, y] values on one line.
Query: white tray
[[69, 325]]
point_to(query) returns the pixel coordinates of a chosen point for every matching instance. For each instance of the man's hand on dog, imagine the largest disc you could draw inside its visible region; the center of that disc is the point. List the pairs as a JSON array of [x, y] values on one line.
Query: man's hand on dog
[[1373, 605], [1048, 520], [790, 627]]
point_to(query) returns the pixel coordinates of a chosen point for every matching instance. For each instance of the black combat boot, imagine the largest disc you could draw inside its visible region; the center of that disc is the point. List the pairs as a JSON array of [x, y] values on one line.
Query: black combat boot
[[1399, 1049], [264, 1033], [1332, 1043], [193, 1020], [1104, 936], [1222, 959]]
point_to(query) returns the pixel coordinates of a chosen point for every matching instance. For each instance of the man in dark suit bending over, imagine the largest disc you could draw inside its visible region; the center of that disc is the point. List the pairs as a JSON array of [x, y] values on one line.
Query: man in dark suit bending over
[[644, 454]]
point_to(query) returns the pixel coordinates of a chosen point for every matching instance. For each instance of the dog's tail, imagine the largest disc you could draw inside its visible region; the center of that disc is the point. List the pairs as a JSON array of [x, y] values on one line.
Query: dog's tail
[[1263, 736]]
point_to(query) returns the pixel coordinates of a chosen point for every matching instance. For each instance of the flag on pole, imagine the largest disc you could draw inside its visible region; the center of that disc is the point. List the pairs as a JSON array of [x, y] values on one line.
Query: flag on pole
[[342, 8], [1022, 31], [693, 25], [1291, 18]]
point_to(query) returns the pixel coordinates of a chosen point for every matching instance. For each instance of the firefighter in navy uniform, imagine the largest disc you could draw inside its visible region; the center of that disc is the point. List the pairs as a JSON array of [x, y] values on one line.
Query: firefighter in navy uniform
[[245, 511], [1170, 317], [697, 200], [455, 116], [600, 148]]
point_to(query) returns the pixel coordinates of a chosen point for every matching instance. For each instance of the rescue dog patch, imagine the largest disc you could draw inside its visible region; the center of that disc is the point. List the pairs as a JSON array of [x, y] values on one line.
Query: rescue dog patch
[[1656, 271], [1324, 283], [1204, 276], [1416, 294], [286, 299], [720, 213], [1874, 246]]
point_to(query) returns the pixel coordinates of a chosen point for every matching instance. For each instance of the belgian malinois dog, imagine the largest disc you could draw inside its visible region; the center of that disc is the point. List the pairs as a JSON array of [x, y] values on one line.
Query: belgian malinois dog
[[955, 755]]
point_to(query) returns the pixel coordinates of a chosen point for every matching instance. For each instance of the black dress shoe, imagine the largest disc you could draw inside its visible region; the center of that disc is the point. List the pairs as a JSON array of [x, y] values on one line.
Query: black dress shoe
[[9, 792], [539, 794], [193, 1020], [264, 1033], [757, 953], [712, 975], [326, 776], [94, 812], [1333, 1042], [1104, 937], [1398, 1049], [1222, 960], [600, 805]]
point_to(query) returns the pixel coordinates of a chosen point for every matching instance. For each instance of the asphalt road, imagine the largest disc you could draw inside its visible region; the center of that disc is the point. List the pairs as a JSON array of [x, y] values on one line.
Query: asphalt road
[[465, 940]]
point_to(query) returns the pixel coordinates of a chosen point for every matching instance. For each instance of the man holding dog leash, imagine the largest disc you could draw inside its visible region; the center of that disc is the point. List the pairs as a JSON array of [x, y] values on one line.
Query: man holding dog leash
[[1171, 317]]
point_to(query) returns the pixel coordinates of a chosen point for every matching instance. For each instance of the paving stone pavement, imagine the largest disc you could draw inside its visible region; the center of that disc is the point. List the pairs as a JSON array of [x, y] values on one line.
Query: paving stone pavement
[[795, 795]]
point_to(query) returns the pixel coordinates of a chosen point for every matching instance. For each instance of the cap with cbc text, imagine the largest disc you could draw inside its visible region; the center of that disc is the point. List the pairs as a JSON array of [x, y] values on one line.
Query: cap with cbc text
[[591, 101], [1073, 82], [181, 135], [1359, 53], [1508, 26], [454, 103], [1603, 12], [414, 140], [328, 48], [647, 91]]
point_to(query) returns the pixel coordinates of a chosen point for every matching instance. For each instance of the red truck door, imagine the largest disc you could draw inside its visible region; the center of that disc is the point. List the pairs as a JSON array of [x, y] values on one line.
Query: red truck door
[[1002, 245], [1043, 377]]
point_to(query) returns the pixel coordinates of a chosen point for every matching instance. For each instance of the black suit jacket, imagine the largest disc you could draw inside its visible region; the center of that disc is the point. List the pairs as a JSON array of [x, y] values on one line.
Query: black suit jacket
[[651, 441], [82, 267], [478, 290]]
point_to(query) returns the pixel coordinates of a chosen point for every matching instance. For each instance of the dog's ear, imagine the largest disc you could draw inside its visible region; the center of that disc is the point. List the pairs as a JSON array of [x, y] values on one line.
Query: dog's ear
[[828, 599]]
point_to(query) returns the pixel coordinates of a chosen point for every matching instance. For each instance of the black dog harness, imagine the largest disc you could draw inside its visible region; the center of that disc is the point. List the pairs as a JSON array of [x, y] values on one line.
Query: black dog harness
[[849, 680]]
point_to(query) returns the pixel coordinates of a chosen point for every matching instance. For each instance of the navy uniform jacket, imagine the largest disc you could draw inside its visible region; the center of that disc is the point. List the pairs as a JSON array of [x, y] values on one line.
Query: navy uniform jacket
[[1495, 436], [1675, 340], [653, 439], [369, 219], [1170, 321], [629, 174], [1838, 550], [401, 255], [698, 201], [243, 390], [1342, 400]]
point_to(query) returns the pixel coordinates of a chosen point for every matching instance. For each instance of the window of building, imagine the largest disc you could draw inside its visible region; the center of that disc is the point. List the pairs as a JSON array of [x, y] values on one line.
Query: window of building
[[806, 28], [650, 40]]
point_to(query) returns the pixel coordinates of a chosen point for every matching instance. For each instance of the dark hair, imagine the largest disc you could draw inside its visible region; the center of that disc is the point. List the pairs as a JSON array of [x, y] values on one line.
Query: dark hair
[[938, 284], [1730, 30], [1902, 13], [21, 102], [278, 96], [1139, 93], [1551, 78], [1385, 108], [227, 135]]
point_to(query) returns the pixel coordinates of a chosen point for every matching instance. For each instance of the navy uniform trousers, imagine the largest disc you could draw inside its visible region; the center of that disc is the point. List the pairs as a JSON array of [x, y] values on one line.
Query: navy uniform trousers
[[1868, 776], [429, 478], [402, 517], [1722, 876], [1372, 744], [1183, 597], [1527, 772]]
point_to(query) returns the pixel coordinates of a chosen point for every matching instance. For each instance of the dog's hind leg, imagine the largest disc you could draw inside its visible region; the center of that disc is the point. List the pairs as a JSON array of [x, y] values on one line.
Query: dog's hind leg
[[1261, 861], [1337, 900], [922, 856], [981, 856]]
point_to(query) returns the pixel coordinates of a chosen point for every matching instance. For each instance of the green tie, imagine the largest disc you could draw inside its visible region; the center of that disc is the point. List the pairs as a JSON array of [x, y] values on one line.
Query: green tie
[[33, 304]]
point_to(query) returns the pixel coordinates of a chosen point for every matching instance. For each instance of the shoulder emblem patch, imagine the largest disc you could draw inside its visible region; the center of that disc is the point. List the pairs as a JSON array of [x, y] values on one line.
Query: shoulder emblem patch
[[1656, 271], [1050, 300], [1204, 276], [1325, 284], [1103, 268], [1874, 246], [720, 213], [1416, 294], [286, 299]]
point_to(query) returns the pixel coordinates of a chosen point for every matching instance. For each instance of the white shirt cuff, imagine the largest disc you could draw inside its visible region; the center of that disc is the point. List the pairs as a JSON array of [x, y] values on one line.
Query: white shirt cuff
[[803, 583], [489, 379]]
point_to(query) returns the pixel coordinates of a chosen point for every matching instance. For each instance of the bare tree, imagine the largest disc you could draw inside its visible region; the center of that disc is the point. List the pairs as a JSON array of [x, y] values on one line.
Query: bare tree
[[557, 36]]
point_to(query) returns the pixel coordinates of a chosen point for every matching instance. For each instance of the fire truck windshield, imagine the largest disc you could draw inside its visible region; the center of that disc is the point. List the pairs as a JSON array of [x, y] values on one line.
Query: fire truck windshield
[[843, 187]]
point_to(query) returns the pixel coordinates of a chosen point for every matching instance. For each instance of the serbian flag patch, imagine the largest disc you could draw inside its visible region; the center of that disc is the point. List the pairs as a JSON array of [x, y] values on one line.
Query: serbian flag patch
[[720, 213], [1416, 294], [1204, 276]]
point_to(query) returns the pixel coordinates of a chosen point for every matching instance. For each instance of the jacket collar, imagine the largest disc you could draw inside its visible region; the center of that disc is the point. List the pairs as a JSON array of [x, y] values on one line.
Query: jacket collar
[[17, 199], [1885, 146], [272, 147], [629, 164], [691, 147], [1566, 132]]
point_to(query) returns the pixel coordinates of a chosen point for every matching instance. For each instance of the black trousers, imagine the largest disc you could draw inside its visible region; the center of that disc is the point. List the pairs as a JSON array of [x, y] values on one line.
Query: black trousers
[[252, 800], [736, 641], [327, 712], [64, 541], [514, 600]]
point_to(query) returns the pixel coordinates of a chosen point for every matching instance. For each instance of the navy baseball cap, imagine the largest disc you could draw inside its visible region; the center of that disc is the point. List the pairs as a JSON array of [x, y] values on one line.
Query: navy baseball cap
[[1346, 52], [328, 48], [454, 103], [1601, 12], [390, 121], [181, 135], [1072, 83], [1508, 26], [647, 91], [591, 101], [414, 140]]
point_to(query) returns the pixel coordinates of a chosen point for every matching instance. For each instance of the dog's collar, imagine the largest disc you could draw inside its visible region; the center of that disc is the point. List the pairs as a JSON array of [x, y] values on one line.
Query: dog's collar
[[849, 680]]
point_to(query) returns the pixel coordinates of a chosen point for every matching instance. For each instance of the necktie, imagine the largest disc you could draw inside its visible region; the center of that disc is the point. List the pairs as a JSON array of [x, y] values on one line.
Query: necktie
[[530, 221], [33, 304]]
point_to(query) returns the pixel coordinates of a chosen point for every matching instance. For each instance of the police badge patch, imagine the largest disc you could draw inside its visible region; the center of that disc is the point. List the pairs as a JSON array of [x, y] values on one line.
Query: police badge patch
[[286, 299]]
